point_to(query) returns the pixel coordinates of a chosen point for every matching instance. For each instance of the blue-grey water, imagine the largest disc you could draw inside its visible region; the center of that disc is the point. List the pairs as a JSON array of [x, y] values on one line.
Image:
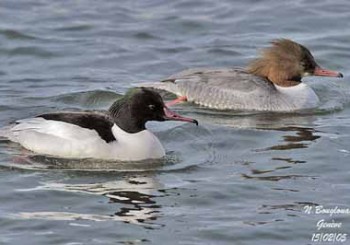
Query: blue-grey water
[[238, 178]]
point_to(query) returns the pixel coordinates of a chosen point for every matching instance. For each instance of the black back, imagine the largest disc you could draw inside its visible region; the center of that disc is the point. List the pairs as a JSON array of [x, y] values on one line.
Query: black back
[[130, 113], [99, 122]]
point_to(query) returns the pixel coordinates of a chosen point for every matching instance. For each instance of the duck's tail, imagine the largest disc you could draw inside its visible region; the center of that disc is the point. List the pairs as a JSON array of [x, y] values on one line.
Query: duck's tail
[[167, 85]]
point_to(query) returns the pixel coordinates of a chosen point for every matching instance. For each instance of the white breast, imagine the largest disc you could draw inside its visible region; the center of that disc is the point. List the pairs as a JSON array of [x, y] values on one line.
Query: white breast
[[297, 97], [71, 141], [137, 146]]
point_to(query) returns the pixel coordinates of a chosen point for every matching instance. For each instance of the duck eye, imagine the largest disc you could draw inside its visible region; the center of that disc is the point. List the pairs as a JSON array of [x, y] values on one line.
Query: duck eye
[[152, 107]]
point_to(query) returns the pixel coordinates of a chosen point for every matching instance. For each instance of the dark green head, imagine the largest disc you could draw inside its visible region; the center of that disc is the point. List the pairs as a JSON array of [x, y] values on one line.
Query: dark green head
[[140, 105]]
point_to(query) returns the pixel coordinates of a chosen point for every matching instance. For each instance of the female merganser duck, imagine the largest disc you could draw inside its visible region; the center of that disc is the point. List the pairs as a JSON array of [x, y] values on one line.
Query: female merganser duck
[[271, 82], [119, 134]]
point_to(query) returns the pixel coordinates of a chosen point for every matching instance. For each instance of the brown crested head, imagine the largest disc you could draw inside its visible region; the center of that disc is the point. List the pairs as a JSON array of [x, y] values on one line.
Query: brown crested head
[[286, 62]]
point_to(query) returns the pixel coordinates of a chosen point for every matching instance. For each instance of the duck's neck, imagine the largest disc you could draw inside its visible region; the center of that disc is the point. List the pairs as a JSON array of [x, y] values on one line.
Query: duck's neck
[[129, 125], [277, 74], [286, 83], [122, 116]]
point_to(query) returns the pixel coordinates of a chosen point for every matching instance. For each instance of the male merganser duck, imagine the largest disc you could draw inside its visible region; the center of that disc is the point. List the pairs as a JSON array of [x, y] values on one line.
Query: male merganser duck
[[271, 82], [119, 134]]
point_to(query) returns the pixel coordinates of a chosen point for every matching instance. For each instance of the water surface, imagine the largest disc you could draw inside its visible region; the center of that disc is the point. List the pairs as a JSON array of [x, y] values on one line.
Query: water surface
[[238, 178]]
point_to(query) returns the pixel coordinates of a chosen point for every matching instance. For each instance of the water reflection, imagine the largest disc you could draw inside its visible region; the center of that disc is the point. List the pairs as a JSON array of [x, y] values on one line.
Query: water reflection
[[296, 207], [301, 139], [18, 157], [255, 223], [247, 119], [134, 198], [292, 138], [274, 177], [288, 160]]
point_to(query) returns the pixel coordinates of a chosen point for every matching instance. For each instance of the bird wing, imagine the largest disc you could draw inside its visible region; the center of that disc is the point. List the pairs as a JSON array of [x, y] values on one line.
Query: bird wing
[[55, 137], [225, 88]]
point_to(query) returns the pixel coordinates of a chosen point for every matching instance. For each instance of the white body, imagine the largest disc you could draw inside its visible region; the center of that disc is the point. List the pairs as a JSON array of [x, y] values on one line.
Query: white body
[[67, 140]]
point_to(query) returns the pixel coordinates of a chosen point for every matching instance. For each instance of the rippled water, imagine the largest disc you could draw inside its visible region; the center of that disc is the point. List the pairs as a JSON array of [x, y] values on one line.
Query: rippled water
[[238, 178]]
